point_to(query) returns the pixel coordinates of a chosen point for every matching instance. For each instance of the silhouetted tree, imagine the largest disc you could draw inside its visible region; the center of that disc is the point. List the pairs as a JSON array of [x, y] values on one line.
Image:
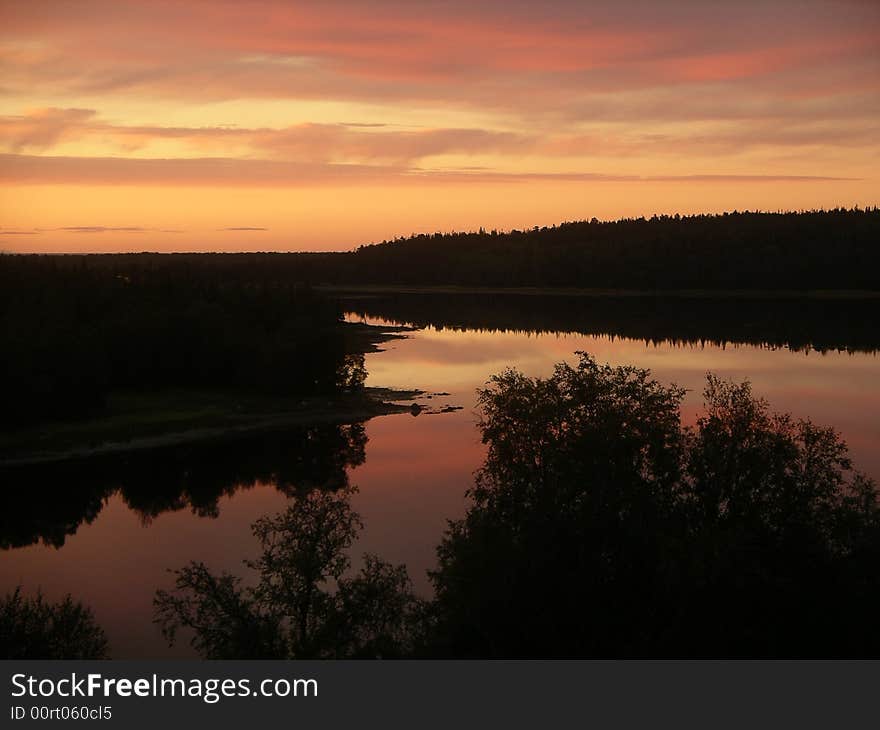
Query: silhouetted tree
[[303, 604], [34, 628], [601, 527]]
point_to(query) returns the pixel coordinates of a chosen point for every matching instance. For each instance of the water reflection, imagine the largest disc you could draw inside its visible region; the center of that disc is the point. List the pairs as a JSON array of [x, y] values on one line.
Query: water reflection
[[124, 522], [821, 323], [303, 601], [599, 527], [49, 503]]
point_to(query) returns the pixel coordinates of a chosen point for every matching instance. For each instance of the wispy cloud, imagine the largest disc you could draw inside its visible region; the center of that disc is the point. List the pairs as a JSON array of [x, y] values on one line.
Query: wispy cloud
[[38, 169], [115, 229], [59, 170], [691, 104], [514, 55], [41, 130], [102, 229]]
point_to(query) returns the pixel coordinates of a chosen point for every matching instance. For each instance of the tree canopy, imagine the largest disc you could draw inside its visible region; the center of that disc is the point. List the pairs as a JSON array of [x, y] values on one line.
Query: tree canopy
[[34, 628], [833, 249], [601, 526], [73, 329], [305, 604]]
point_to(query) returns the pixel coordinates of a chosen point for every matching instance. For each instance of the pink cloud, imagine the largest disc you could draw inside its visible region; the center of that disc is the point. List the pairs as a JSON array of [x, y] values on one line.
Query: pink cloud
[[500, 55], [43, 129], [559, 80], [38, 169]]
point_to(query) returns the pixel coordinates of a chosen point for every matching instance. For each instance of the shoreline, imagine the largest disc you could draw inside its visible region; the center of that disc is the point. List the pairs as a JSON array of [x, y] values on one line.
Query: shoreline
[[789, 294], [358, 409], [171, 417]]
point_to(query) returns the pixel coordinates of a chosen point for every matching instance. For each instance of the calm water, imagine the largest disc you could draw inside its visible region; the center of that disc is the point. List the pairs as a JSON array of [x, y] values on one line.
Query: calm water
[[117, 544]]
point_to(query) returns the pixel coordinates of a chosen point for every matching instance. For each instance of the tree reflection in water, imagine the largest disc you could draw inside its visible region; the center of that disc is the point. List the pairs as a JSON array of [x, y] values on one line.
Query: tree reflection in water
[[599, 526], [303, 605], [49, 502]]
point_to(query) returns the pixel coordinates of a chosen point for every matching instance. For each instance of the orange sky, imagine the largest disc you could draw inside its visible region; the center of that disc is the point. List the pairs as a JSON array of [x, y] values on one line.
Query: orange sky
[[221, 125]]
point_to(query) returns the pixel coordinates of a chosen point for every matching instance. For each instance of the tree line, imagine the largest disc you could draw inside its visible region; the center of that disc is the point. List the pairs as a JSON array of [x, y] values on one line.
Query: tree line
[[797, 323], [599, 526], [49, 502], [834, 249], [74, 328]]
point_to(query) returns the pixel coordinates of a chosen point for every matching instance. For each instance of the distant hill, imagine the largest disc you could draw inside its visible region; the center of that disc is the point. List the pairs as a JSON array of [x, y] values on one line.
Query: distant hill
[[836, 249]]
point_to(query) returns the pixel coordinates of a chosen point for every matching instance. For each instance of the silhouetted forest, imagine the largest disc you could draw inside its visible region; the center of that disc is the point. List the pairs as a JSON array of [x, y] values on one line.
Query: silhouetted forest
[[599, 527], [834, 249], [837, 249], [73, 329], [796, 323], [602, 527], [48, 502]]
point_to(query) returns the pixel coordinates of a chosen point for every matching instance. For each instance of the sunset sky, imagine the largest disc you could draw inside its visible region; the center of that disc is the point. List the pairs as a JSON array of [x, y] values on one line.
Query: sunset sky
[[269, 125]]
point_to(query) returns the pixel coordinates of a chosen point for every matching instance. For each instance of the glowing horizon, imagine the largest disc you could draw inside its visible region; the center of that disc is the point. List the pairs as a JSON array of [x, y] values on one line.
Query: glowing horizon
[[197, 125]]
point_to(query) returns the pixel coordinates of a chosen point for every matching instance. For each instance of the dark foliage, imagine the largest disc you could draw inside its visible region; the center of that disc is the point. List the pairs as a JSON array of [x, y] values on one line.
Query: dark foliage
[[304, 604], [33, 628], [74, 328], [601, 527], [49, 502], [836, 249], [798, 323]]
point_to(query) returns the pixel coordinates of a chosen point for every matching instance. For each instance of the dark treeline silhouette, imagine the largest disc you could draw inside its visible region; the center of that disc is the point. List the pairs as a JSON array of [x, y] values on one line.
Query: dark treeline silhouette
[[48, 502], [74, 328], [837, 249], [599, 526], [798, 324], [833, 249]]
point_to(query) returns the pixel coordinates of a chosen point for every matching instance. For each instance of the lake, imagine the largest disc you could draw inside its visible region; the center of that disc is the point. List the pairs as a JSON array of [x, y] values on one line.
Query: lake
[[115, 529]]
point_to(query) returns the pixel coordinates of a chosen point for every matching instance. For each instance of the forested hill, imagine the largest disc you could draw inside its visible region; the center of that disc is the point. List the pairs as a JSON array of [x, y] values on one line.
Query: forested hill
[[838, 249]]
